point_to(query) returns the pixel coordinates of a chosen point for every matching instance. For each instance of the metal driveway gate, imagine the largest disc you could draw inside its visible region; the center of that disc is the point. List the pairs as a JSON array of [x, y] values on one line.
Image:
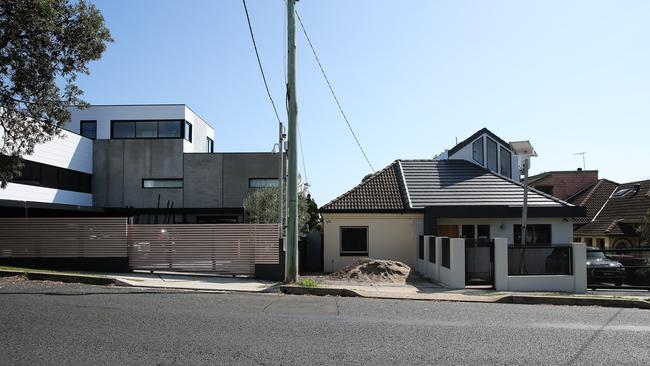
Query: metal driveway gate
[[479, 262], [221, 248]]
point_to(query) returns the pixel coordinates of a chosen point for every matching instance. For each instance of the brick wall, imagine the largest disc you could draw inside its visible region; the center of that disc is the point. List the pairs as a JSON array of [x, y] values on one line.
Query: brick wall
[[567, 183]]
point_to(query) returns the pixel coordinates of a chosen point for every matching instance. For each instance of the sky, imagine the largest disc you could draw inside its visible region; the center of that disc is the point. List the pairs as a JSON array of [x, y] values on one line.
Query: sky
[[412, 76]]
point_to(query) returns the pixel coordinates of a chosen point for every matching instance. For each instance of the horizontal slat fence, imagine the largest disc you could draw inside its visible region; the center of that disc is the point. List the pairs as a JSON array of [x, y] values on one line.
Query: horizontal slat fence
[[79, 237], [223, 248]]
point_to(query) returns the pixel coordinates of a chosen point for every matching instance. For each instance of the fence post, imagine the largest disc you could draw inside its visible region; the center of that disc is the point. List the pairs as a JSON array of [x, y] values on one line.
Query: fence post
[[457, 261], [579, 264], [501, 264]]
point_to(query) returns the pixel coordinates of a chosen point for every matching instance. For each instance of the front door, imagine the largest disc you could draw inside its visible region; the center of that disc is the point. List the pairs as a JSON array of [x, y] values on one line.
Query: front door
[[450, 231]]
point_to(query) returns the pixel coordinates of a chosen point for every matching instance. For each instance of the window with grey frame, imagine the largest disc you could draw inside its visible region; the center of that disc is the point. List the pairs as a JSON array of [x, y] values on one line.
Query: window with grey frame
[[354, 241], [88, 129], [506, 162], [147, 129], [188, 131], [263, 182], [477, 151], [492, 160], [162, 183]]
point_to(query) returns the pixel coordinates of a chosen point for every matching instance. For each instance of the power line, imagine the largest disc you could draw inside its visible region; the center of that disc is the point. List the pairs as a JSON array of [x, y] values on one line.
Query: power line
[[329, 85], [259, 62]]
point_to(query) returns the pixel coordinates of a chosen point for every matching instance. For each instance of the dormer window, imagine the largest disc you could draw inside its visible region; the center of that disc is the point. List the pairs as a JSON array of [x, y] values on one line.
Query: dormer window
[[622, 192], [492, 162], [506, 162], [477, 151]]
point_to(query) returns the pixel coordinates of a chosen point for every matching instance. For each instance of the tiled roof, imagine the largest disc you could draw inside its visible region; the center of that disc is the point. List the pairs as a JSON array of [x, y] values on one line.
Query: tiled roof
[[620, 214], [416, 184], [381, 192], [593, 198], [459, 183]]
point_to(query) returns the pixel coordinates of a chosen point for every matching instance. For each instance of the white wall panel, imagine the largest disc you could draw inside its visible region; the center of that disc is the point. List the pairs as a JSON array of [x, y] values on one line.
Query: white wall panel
[[22, 192]]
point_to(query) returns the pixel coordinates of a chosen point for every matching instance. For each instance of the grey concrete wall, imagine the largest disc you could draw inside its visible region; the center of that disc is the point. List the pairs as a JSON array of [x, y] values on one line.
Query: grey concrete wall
[[203, 180], [120, 166], [239, 167]]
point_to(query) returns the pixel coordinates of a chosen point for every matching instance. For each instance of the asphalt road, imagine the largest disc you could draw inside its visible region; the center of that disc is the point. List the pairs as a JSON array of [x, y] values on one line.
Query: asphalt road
[[65, 324]]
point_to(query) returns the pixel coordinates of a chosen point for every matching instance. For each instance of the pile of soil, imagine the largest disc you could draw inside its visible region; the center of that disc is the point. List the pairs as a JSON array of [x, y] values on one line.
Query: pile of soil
[[374, 270]]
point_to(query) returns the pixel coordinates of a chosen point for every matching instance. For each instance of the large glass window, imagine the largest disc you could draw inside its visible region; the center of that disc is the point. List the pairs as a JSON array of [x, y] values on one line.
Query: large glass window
[[88, 129], [467, 231], [483, 231], [49, 176], [146, 129], [262, 182], [123, 129], [354, 241], [162, 183], [169, 129], [506, 162], [477, 151], [188, 131], [535, 234], [492, 162]]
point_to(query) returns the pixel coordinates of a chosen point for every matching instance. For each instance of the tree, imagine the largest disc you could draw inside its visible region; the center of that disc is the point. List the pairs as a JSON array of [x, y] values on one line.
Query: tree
[[261, 207], [44, 45], [644, 229]]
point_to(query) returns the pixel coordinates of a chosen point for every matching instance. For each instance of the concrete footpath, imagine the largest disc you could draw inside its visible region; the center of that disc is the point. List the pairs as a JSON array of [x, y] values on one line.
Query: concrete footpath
[[425, 291]]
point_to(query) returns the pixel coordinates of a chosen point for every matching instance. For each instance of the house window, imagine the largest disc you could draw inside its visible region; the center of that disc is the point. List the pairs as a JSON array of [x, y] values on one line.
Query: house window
[[122, 129], [467, 231], [600, 243], [162, 183], [170, 129], [483, 231], [49, 176], [210, 145], [577, 239], [506, 162], [535, 234], [146, 129], [262, 182], [88, 129], [492, 162], [477, 151], [188, 131], [354, 241], [589, 241]]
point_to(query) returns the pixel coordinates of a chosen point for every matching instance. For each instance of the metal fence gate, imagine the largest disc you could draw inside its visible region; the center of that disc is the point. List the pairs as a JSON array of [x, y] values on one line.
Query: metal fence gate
[[222, 248], [479, 262]]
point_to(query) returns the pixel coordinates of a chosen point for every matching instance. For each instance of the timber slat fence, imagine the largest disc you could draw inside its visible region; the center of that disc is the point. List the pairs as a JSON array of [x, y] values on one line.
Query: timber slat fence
[[223, 248]]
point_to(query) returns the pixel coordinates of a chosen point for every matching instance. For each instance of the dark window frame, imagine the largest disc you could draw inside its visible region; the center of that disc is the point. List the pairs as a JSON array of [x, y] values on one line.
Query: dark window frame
[[488, 141], [517, 233], [163, 179], [210, 143], [259, 178], [503, 151], [481, 144], [187, 131], [181, 123], [348, 253], [50, 176], [82, 123]]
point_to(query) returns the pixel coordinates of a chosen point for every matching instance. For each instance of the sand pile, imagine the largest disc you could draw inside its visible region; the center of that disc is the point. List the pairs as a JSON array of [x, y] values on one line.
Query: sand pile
[[374, 270]]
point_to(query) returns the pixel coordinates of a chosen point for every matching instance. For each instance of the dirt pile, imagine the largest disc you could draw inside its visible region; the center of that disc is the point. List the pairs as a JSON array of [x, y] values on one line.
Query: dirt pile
[[374, 270]]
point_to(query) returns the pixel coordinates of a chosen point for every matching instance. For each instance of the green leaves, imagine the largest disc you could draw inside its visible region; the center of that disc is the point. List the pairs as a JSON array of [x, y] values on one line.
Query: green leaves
[[43, 44]]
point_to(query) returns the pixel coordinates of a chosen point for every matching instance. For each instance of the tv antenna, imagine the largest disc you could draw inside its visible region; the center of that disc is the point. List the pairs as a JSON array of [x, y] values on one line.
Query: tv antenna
[[584, 166]]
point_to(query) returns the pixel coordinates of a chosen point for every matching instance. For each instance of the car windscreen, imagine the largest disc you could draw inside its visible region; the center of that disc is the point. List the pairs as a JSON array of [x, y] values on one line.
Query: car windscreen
[[595, 254]]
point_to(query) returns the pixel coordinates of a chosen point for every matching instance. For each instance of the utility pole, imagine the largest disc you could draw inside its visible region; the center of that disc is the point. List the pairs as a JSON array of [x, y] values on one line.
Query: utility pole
[[524, 210], [281, 179], [292, 189]]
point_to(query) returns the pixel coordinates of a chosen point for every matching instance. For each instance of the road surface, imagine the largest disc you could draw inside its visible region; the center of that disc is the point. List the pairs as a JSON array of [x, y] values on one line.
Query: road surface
[[45, 323]]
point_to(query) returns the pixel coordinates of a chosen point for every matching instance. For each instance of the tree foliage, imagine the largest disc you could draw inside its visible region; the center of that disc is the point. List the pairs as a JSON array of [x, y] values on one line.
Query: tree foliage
[[261, 207], [644, 229], [44, 46]]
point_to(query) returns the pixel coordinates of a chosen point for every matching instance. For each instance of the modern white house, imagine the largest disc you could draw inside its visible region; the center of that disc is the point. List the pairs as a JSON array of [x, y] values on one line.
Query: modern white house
[[152, 162], [471, 191]]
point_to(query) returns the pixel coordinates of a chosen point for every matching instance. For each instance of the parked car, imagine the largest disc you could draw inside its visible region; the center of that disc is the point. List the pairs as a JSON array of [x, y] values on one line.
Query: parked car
[[602, 269]]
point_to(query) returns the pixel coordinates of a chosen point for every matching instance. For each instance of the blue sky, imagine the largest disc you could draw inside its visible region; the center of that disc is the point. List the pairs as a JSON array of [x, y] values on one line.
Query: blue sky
[[569, 76]]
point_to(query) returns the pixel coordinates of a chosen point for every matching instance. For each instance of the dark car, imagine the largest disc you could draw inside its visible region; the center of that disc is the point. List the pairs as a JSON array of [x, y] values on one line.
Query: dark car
[[601, 269]]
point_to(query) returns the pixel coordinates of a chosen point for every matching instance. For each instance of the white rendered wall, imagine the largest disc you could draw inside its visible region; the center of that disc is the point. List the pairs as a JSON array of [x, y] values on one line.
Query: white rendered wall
[[390, 236], [22, 192], [103, 114], [70, 151]]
